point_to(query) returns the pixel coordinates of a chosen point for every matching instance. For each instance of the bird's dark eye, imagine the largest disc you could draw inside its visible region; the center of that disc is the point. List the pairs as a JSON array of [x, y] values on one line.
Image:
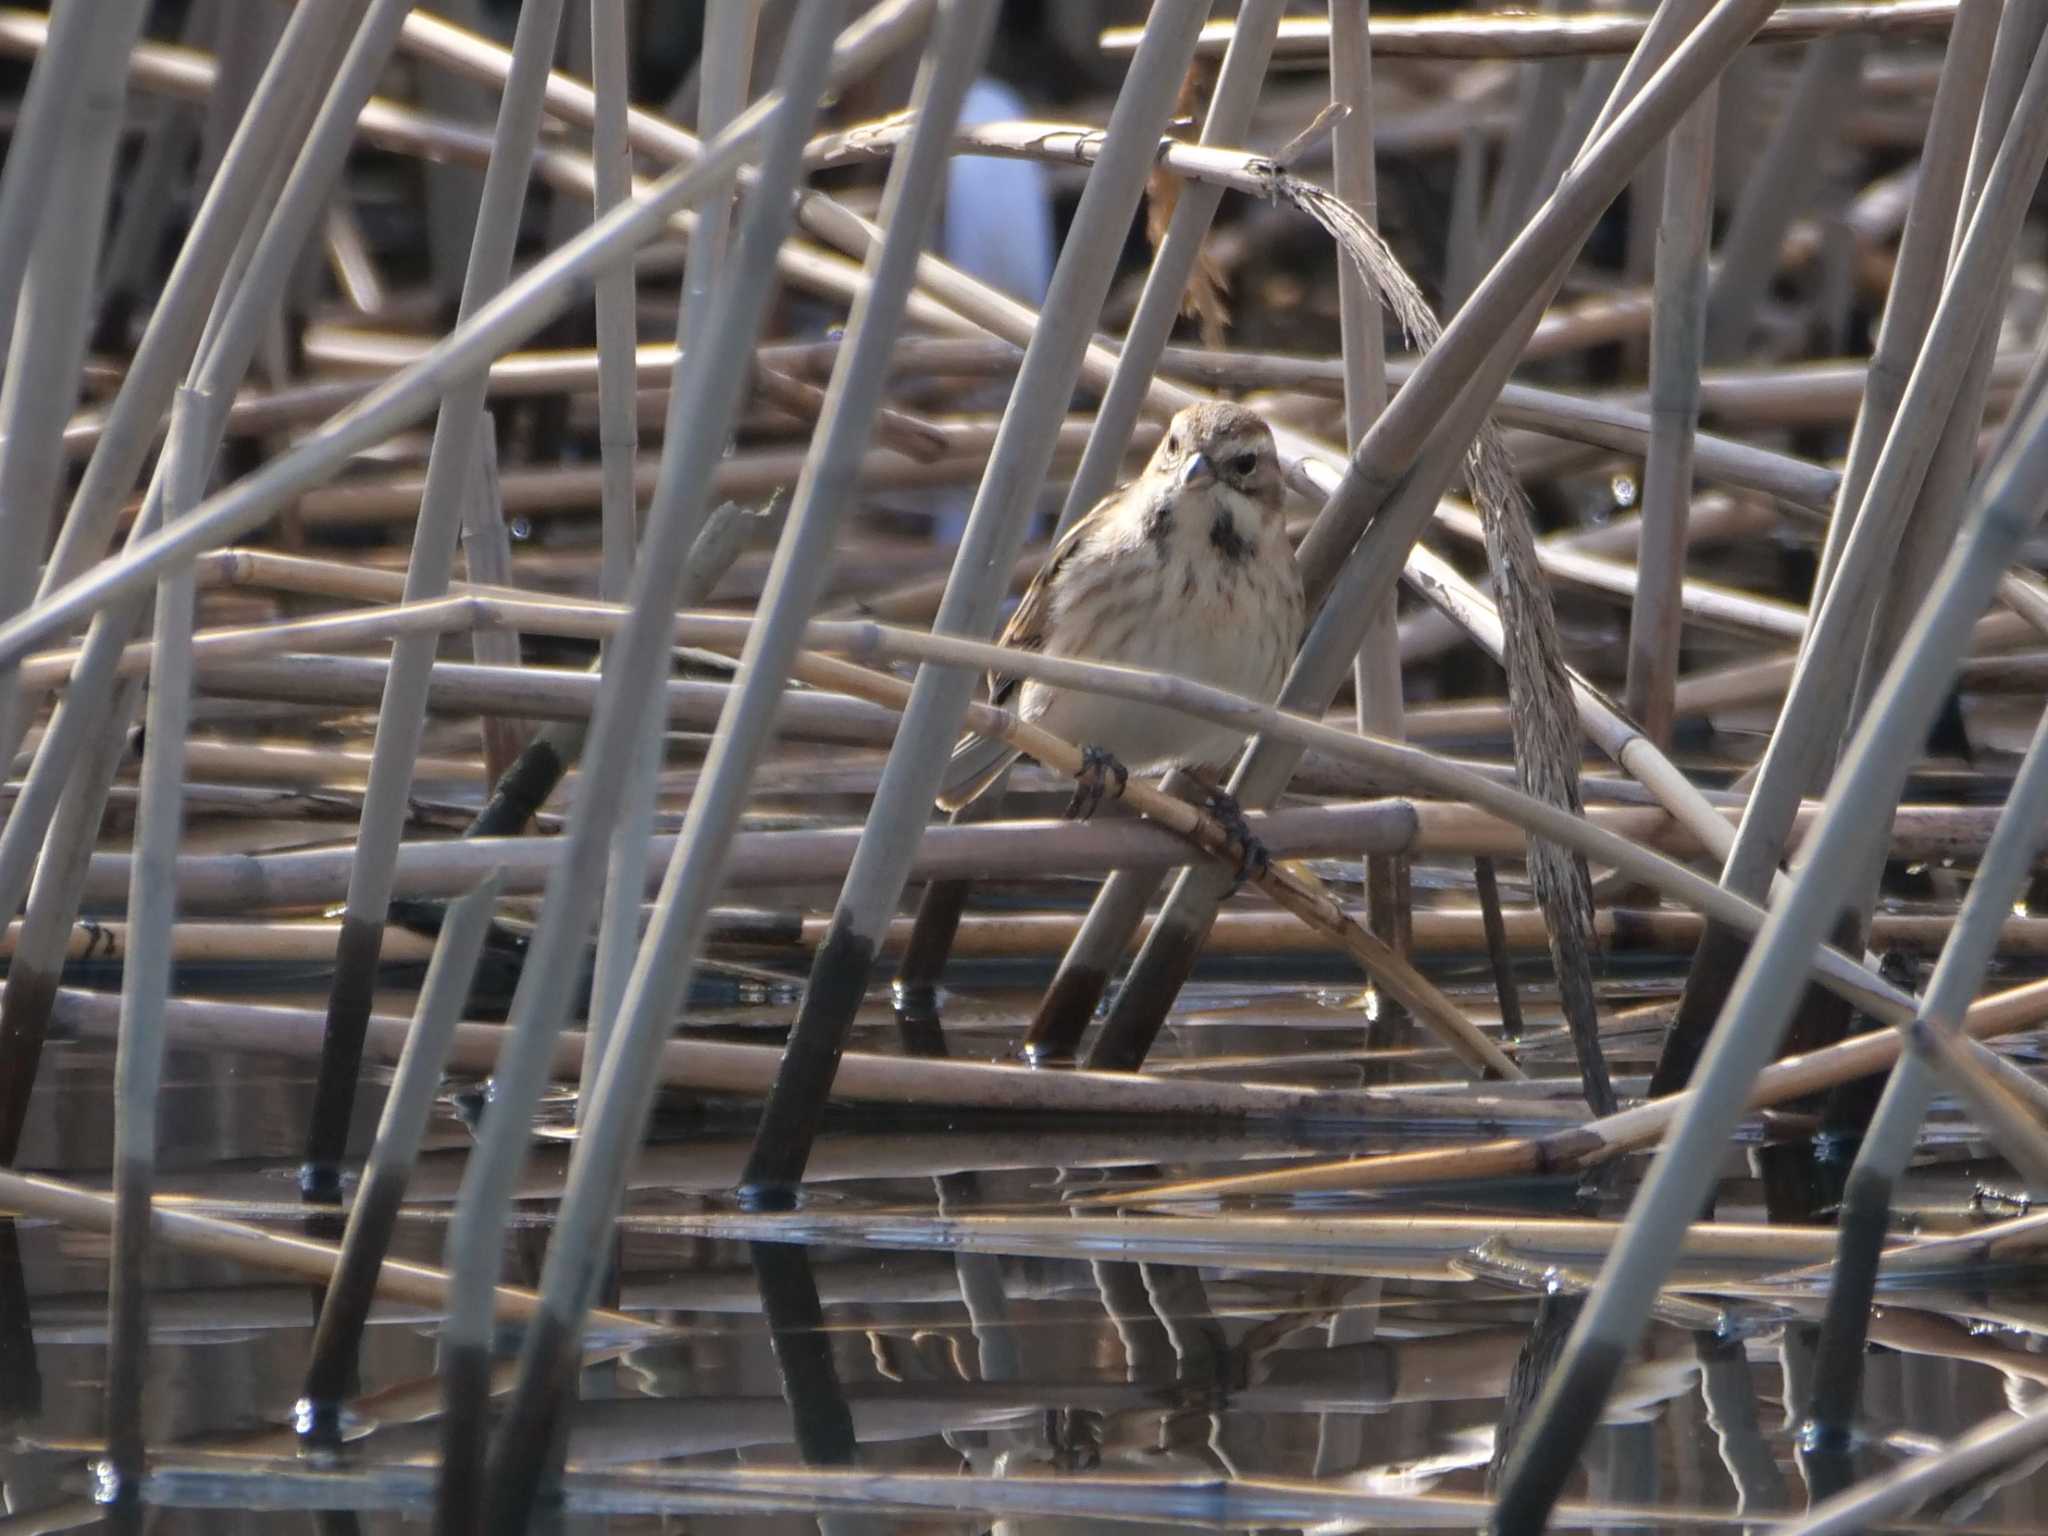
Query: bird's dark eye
[[1244, 463]]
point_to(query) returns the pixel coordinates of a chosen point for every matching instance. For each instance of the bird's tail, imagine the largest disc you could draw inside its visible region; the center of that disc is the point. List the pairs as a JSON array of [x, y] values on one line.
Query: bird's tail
[[976, 763]]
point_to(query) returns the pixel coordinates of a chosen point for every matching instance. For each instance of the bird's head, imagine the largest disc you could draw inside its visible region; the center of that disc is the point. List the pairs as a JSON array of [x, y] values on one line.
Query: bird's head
[[1223, 446]]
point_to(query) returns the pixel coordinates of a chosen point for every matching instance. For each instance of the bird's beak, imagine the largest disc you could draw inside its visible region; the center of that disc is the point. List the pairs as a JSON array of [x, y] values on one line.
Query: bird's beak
[[1197, 471]]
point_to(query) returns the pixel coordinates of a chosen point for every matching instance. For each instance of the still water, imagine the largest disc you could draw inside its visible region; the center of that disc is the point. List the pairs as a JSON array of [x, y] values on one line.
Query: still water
[[940, 1339]]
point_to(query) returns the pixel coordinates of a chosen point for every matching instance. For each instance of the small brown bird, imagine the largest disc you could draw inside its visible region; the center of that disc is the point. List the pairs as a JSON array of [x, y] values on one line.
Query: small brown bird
[[1186, 570]]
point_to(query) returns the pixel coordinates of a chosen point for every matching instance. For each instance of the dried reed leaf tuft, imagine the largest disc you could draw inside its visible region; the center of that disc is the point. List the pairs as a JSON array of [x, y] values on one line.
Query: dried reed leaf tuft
[[1207, 286]]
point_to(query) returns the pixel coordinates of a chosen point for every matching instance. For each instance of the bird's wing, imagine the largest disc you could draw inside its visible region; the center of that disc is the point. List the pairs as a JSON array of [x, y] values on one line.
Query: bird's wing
[[1026, 629]]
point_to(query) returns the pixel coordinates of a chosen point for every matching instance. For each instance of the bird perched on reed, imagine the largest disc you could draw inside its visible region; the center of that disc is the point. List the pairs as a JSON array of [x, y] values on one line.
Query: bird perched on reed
[[1186, 570]]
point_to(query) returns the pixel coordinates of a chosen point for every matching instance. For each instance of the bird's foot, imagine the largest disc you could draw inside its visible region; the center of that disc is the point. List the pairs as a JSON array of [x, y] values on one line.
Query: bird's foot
[[1253, 860], [1091, 783]]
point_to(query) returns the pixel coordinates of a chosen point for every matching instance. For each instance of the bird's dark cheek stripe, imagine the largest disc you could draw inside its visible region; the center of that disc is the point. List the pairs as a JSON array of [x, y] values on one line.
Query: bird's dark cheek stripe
[[1230, 544], [1159, 526]]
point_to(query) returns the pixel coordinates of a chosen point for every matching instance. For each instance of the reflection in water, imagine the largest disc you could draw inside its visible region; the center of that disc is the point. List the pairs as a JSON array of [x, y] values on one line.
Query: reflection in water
[[937, 1339]]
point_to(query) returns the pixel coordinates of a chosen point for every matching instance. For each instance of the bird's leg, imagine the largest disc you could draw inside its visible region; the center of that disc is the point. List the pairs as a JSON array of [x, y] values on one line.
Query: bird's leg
[[1253, 861], [1091, 782]]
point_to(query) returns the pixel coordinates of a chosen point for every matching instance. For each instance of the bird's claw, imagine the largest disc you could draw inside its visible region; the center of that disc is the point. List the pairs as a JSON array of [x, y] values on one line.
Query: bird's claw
[[1253, 860], [1091, 782]]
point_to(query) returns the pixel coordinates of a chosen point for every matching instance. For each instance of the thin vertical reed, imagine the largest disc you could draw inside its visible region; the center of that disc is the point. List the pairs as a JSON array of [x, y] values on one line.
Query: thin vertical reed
[[401, 718], [1930, 528], [1461, 234], [1676, 341], [2003, 514], [1541, 90], [699, 421], [373, 1216], [618, 422], [1779, 187], [995, 531], [146, 969], [625, 1085], [1376, 674], [1931, 525], [729, 29], [454, 193], [1498, 959], [1530, 267]]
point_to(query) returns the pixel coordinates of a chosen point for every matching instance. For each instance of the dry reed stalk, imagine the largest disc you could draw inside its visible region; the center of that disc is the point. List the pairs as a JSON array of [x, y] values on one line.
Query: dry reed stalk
[[46, 335], [1676, 359], [1597, 1141], [1540, 37], [146, 974], [728, 48], [1701, 602], [1893, 1130], [397, 1279], [706, 1066], [1447, 932], [1376, 673]]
